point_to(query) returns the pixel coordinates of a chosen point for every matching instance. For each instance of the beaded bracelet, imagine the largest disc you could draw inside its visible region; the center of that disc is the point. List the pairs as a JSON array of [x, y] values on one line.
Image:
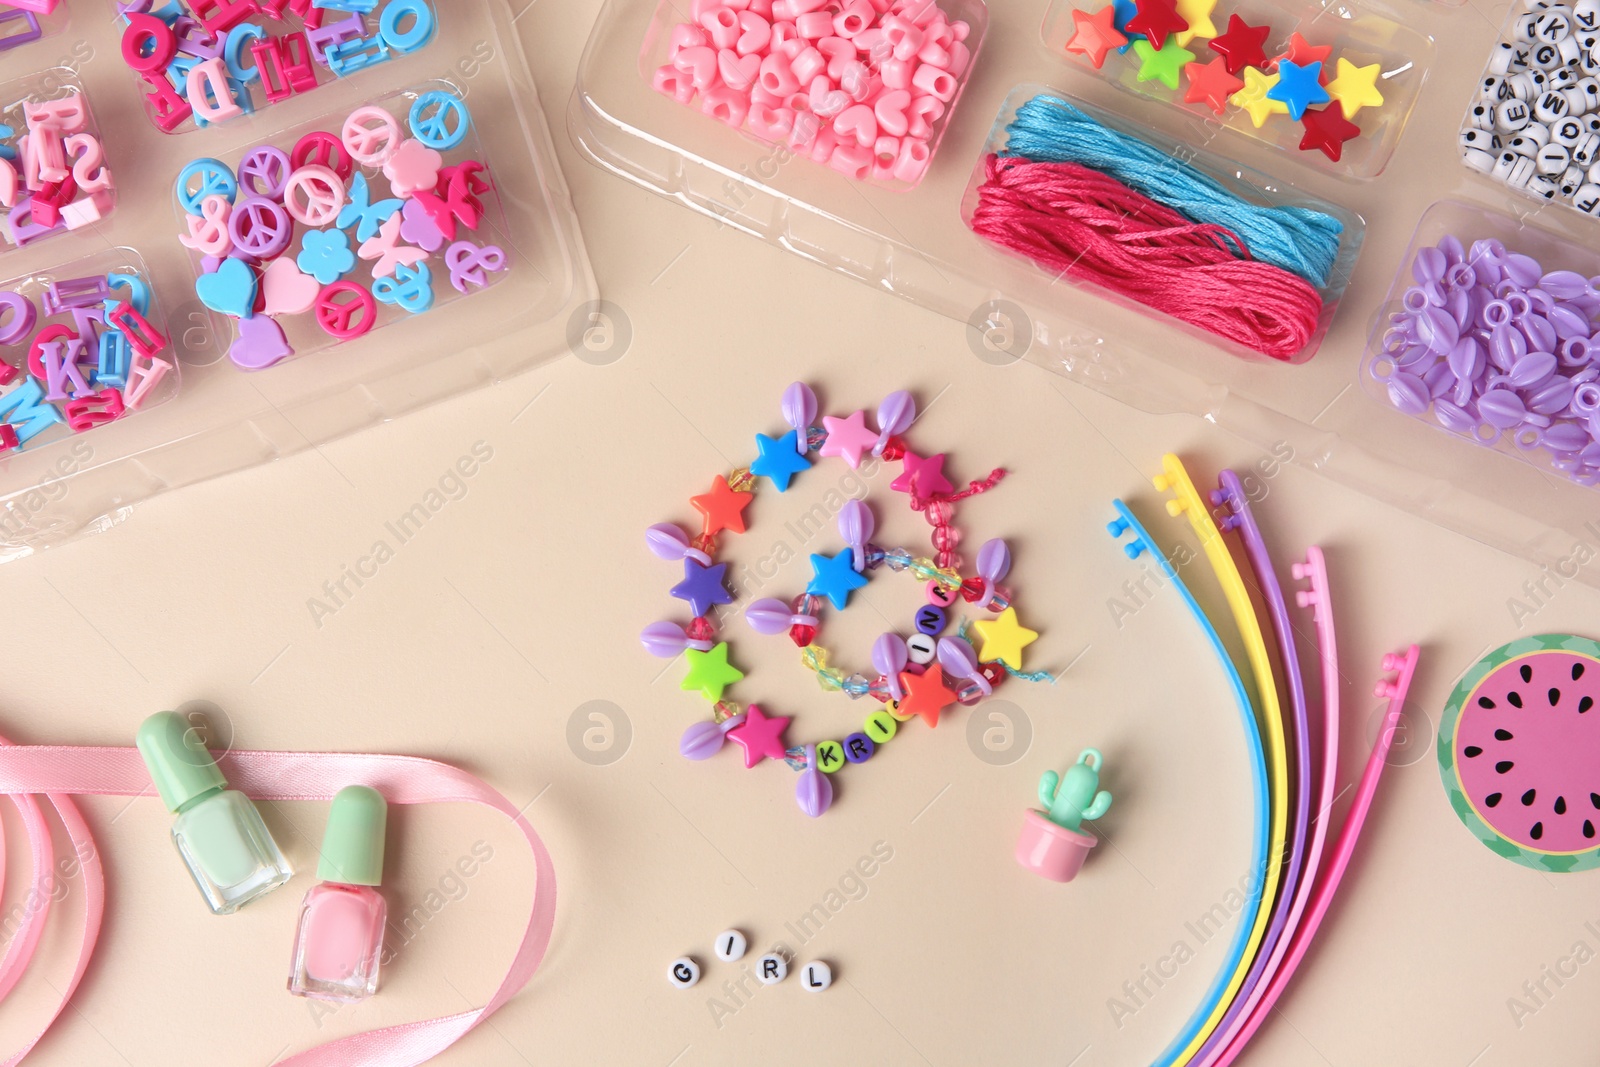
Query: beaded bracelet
[[909, 682]]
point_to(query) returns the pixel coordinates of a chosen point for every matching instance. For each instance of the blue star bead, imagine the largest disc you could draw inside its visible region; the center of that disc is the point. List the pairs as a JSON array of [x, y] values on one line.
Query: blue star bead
[[834, 577], [780, 459], [1299, 87], [1122, 11], [703, 587]]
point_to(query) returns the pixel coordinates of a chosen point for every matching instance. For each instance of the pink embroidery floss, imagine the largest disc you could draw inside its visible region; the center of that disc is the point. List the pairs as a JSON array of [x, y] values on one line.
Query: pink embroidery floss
[[1079, 222]]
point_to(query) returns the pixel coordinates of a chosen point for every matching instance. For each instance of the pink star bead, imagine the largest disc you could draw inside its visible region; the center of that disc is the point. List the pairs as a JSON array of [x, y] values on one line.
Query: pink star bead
[[848, 438], [759, 736], [922, 478]]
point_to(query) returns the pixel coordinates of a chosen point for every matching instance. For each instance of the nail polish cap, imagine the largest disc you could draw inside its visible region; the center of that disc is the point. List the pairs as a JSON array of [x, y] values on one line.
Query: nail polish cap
[[352, 845], [174, 752]]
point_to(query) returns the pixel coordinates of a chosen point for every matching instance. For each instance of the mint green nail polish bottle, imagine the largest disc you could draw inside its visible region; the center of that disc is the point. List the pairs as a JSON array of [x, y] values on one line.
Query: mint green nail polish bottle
[[218, 831]]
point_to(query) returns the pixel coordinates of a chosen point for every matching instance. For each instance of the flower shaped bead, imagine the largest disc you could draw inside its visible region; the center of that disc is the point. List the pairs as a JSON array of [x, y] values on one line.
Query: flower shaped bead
[[326, 255]]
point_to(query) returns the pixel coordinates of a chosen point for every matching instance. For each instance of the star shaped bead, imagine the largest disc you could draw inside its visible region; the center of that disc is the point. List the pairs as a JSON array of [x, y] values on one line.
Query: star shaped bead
[[1004, 638], [1163, 65], [922, 478], [722, 508], [710, 672], [847, 437], [1210, 83], [760, 735], [927, 694], [1327, 130], [780, 459], [1095, 35], [1242, 46], [1299, 87], [1303, 53], [702, 586], [1254, 99], [1356, 87], [834, 577], [1197, 13], [1123, 10], [1155, 19]]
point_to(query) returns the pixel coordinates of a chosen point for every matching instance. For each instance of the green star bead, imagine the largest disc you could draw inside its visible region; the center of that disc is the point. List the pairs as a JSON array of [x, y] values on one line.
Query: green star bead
[[1165, 65], [710, 672]]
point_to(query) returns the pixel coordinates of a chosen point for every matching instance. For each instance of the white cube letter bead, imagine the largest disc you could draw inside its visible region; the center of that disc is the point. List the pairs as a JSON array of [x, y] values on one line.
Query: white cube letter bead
[[1586, 14], [1478, 160], [1479, 139], [1589, 89], [1550, 106], [1569, 181], [816, 976], [1566, 133], [731, 945], [1571, 51], [1501, 58], [1546, 56], [1552, 26], [1543, 186], [684, 972], [1590, 178], [1511, 115], [1521, 173], [771, 969], [1588, 199], [920, 648], [1587, 150], [1493, 89], [1523, 145], [1552, 159], [1523, 31], [1527, 85]]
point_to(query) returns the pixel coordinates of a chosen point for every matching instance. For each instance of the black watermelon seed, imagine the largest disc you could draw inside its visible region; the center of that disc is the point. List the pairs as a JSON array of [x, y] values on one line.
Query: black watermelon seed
[[1588, 828], [1492, 799], [1585, 704], [1485, 702], [1577, 671], [1471, 751], [1528, 798], [1594, 798], [1555, 697], [1502, 735], [1514, 698], [1505, 765], [1526, 672], [1537, 831], [1561, 805]]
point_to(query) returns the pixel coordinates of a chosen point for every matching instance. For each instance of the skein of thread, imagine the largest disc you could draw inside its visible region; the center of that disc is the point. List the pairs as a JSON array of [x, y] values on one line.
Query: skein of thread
[[1049, 129], [1076, 221]]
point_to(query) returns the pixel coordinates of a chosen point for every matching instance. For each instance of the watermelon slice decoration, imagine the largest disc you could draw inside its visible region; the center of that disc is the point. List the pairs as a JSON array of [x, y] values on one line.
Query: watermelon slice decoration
[[1519, 750]]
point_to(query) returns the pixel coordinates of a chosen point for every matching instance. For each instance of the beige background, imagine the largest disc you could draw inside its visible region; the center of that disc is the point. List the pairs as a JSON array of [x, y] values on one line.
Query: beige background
[[487, 635]]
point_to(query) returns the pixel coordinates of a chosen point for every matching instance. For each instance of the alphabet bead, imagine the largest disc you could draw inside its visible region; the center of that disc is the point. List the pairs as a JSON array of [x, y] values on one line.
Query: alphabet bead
[[772, 969], [1511, 116], [1587, 199], [920, 648], [1552, 159], [816, 976], [683, 972], [858, 748], [731, 946]]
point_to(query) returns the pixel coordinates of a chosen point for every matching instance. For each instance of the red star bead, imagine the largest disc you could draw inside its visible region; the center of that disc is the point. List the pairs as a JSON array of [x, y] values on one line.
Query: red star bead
[[1155, 19], [1243, 45], [1328, 130], [926, 695], [1095, 35], [722, 508], [1210, 83], [1302, 54]]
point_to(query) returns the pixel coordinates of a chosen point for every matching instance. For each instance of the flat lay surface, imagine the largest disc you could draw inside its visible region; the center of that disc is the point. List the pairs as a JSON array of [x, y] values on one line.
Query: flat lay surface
[[468, 583]]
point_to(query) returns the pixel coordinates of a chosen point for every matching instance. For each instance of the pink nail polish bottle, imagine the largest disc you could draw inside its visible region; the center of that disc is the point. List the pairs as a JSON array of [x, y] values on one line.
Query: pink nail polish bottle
[[340, 937]]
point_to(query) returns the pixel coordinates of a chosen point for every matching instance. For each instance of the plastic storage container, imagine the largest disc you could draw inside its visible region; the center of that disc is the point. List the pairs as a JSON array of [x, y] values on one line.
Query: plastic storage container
[[82, 200], [1248, 184], [270, 53], [21, 29], [224, 420], [1361, 36]]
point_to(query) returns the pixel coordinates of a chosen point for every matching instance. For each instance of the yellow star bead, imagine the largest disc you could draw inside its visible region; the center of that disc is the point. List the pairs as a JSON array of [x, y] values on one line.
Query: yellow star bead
[[1197, 13], [1004, 638], [1253, 97], [1356, 87], [710, 672]]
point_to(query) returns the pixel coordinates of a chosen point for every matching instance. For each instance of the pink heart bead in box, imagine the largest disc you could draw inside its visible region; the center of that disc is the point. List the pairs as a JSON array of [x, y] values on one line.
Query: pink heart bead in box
[[866, 87]]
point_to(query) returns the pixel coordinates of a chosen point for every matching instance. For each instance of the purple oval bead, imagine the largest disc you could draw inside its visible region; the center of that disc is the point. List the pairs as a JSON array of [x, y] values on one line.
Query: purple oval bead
[[1439, 379], [1566, 437], [1506, 346], [1408, 393], [1500, 408], [1466, 358], [1540, 334], [1450, 245], [1568, 322], [1429, 266], [1564, 284], [1524, 270], [1551, 397], [1437, 330], [1591, 452], [1452, 417], [1458, 302], [1411, 355], [1533, 369]]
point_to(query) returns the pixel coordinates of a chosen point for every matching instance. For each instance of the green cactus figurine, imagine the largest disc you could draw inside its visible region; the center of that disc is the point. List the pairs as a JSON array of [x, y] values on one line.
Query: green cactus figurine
[[1071, 798]]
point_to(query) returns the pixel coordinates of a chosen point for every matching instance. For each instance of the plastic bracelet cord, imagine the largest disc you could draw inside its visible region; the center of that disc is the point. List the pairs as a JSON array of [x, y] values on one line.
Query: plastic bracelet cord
[[1142, 544], [1187, 502]]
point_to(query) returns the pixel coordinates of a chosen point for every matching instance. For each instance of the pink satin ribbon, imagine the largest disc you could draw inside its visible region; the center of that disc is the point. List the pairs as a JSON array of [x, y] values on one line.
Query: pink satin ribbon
[[57, 772]]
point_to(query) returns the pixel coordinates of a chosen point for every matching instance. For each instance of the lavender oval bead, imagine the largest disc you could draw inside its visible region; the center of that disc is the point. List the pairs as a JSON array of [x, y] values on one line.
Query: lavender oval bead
[[1458, 302], [1437, 330], [1439, 379], [1565, 437], [1540, 334], [1453, 417], [1408, 393], [1524, 270], [1429, 266], [1568, 322], [1466, 358], [1564, 284], [1450, 245], [1532, 370], [1411, 355], [1501, 408], [1552, 397], [1506, 346]]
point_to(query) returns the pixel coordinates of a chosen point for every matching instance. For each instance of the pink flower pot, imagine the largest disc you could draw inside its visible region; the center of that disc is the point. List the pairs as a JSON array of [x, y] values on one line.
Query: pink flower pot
[[1052, 851]]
